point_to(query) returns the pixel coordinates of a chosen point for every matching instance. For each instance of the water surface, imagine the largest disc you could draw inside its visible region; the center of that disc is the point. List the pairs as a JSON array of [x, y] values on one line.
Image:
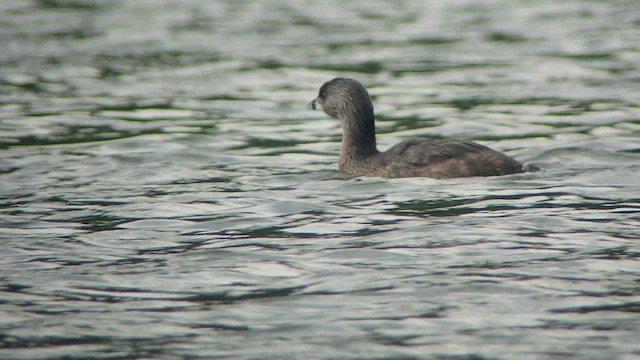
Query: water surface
[[165, 193]]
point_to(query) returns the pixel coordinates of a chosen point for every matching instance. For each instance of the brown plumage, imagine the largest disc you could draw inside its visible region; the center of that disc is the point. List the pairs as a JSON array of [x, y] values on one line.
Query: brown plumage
[[349, 101]]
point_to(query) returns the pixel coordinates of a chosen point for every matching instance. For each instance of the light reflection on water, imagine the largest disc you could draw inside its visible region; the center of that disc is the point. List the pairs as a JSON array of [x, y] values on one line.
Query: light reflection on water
[[164, 193]]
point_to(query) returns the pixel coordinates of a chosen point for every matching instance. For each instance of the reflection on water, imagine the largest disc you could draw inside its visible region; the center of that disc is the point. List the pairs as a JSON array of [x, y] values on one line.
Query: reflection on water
[[164, 193]]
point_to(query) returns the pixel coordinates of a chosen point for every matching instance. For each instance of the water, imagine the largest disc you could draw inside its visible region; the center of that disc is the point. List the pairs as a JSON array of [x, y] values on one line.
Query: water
[[166, 194]]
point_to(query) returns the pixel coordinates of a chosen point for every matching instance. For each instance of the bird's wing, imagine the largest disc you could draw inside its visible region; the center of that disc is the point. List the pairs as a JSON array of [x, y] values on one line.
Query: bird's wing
[[430, 151]]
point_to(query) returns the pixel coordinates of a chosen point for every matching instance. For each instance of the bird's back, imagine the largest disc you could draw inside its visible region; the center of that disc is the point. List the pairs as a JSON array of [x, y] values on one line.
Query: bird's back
[[444, 159]]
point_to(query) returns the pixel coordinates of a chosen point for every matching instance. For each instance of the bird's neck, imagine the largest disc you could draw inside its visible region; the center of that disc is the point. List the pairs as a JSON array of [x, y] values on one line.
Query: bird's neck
[[358, 135]]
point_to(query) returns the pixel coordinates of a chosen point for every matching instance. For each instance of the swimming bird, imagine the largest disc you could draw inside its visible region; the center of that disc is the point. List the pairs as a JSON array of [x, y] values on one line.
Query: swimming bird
[[348, 100]]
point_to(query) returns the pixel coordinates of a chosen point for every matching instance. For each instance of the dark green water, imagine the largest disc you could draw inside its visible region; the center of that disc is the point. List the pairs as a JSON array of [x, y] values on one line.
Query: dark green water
[[165, 193]]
